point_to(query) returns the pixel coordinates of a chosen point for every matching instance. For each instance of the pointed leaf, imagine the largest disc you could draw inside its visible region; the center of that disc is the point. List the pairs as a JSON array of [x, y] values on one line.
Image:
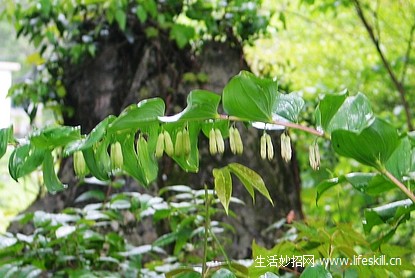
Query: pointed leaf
[[354, 114], [137, 116], [223, 186], [93, 137], [317, 271], [328, 107], [250, 179], [24, 160], [249, 97], [201, 105], [372, 146], [288, 106], [399, 163], [52, 137], [223, 273], [131, 165], [53, 184], [4, 140]]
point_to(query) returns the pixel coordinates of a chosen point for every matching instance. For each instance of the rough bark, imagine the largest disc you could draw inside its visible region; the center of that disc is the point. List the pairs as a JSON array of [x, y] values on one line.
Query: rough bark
[[124, 73]]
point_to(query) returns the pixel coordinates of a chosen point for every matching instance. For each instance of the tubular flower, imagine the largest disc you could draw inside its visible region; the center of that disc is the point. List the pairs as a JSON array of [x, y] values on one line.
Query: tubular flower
[[186, 142], [168, 144], [213, 148], [314, 156], [160, 145], [286, 152], [263, 147], [79, 164], [219, 141], [178, 147], [116, 157]]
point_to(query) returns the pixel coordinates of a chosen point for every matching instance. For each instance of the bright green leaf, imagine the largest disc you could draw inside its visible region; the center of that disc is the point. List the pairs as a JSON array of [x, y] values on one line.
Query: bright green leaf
[[223, 273], [53, 184], [121, 18], [288, 106], [399, 163], [182, 34], [328, 107], [52, 137], [138, 116], [223, 186], [24, 160], [389, 212], [250, 179], [354, 114], [249, 97], [317, 271], [4, 140], [372, 146]]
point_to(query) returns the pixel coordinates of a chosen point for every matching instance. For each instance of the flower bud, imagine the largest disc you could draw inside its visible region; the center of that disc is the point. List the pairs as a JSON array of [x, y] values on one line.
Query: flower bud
[[79, 164], [186, 142], [263, 147], [160, 145], [213, 148], [219, 141], [232, 139], [286, 151], [270, 148], [238, 142], [116, 157], [178, 147], [314, 157], [168, 144]]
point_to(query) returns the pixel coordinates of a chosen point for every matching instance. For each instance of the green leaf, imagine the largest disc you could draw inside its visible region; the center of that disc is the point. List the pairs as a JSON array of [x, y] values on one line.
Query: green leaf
[[183, 272], [250, 179], [399, 163], [372, 146], [121, 18], [354, 114], [146, 161], [223, 186], [182, 34], [326, 185], [189, 163], [223, 273], [89, 195], [4, 139], [328, 107], [201, 105], [369, 183], [249, 97], [53, 184], [131, 165], [288, 106], [24, 160], [93, 166], [317, 271], [93, 137], [141, 14], [138, 116], [53, 137], [386, 213]]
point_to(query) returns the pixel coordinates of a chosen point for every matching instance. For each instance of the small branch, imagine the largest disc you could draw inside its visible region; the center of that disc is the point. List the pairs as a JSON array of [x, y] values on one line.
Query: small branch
[[407, 54], [399, 184], [398, 85], [205, 239], [286, 124]]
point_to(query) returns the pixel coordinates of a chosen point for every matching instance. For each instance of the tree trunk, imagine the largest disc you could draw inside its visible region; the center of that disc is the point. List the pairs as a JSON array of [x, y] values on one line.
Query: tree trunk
[[124, 73]]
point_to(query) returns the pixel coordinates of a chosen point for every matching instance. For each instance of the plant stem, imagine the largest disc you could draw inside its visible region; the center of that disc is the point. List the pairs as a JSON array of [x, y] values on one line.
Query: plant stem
[[398, 84], [287, 124], [399, 184], [207, 220]]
